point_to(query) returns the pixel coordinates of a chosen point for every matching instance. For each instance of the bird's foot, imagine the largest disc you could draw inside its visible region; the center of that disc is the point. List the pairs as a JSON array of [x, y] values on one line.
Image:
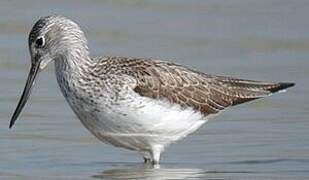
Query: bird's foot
[[147, 160]]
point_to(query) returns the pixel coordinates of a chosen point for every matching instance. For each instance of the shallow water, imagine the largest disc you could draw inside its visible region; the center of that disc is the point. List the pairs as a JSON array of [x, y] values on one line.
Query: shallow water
[[263, 40]]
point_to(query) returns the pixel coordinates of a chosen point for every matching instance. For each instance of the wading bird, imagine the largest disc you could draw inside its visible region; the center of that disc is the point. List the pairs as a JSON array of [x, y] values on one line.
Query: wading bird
[[138, 104]]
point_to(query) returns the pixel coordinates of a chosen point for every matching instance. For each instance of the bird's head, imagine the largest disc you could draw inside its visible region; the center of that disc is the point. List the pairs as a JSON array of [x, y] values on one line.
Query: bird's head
[[50, 39]]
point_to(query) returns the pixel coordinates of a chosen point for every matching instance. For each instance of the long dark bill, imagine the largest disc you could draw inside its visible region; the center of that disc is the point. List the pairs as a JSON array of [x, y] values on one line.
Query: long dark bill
[[26, 93]]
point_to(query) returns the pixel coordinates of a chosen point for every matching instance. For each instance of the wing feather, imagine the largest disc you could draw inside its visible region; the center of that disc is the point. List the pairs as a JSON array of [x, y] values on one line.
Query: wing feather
[[178, 84]]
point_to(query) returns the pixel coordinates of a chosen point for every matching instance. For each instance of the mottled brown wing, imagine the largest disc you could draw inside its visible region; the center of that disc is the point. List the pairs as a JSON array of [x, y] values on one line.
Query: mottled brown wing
[[189, 88]]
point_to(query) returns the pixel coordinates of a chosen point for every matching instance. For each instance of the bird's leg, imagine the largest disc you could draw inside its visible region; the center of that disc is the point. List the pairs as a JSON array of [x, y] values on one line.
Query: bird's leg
[[155, 154], [147, 157], [147, 160]]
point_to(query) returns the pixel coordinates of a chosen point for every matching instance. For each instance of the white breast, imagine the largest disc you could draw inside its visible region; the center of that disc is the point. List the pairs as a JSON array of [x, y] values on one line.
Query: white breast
[[129, 121], [139, 123]]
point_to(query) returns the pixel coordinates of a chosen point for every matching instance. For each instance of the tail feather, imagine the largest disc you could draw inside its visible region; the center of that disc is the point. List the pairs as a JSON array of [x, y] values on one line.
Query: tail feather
[[281, 86], [240, 90]]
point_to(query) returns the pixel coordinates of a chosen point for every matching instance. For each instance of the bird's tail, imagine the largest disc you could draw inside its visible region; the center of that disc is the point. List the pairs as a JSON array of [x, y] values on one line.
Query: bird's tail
[[241, 90]]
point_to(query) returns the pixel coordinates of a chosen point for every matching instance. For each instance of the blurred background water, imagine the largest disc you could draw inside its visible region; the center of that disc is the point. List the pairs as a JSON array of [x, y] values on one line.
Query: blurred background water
[[255, 39]]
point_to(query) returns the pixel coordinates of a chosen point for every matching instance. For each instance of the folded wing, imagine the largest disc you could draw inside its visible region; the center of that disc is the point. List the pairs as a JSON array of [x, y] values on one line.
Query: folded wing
[[206, 93]]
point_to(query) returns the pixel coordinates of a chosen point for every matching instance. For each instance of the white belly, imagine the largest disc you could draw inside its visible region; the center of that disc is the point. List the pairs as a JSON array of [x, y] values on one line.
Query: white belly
[[142, 123]]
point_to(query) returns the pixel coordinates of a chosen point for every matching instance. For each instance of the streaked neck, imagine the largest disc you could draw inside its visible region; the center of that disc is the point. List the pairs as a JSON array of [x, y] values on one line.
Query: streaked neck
[[74, 60]]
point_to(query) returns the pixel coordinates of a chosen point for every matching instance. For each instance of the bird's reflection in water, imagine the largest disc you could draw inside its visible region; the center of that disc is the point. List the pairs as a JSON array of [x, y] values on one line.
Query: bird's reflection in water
[[147, 171]]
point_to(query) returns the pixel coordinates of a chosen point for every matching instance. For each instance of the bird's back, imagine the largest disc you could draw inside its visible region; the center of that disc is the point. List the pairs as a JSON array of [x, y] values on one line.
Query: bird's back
[[178, 84]]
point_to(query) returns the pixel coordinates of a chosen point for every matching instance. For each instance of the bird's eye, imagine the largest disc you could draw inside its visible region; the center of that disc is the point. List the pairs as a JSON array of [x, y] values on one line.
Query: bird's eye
[[40, 42]]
